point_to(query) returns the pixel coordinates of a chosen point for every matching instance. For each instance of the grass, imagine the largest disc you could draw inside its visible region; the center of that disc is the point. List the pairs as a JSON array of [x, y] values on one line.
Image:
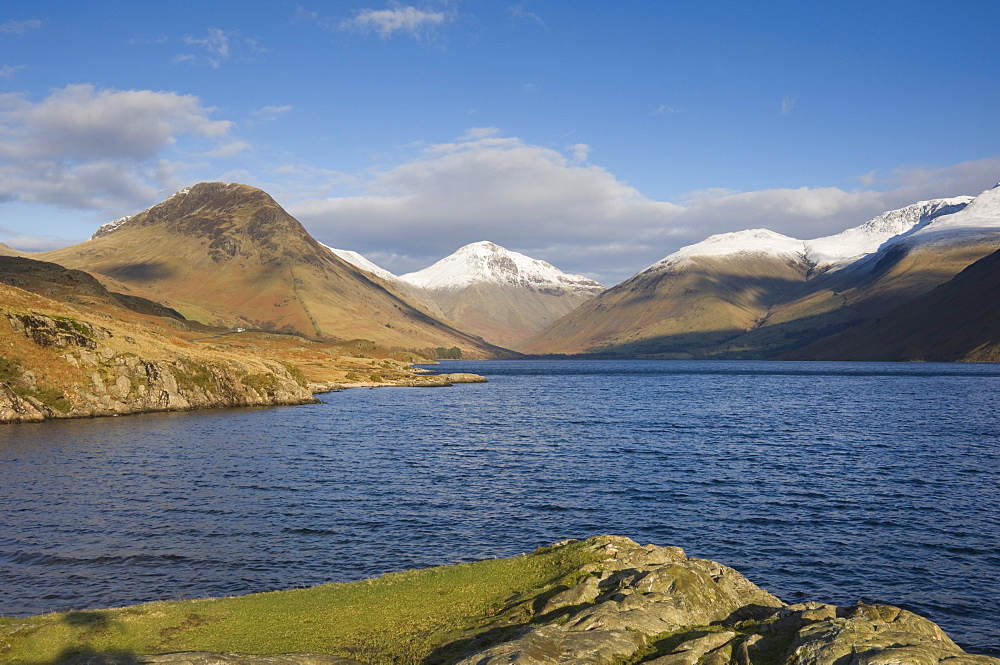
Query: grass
[[407, 617]]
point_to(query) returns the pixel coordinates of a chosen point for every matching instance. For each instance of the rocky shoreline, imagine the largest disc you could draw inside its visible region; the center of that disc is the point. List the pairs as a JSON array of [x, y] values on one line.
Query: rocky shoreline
[[648, 604], [117, 376]]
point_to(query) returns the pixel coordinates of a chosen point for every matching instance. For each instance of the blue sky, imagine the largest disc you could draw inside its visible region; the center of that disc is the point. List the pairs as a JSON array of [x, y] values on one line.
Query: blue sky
[[597, 136]]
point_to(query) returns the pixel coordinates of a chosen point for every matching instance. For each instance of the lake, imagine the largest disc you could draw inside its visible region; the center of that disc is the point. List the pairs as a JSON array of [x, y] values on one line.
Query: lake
[[834, 482]]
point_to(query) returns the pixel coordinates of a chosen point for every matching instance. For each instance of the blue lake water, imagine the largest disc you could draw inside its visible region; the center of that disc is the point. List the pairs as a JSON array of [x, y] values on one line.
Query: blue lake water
[[835, 482]]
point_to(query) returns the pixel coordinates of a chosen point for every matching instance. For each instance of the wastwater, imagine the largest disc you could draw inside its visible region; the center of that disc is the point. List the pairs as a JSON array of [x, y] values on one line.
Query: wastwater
[[834, 482]]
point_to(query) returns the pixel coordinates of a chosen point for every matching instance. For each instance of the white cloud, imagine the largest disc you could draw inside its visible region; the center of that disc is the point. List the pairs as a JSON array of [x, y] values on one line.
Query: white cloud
[[89, 148], [787, 105], [404, 20], [484, 186], [867, 178], [20, 27]]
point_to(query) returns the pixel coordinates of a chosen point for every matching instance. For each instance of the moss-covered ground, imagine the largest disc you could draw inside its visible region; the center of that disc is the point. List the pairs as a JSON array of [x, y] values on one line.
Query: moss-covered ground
[[407, 617]]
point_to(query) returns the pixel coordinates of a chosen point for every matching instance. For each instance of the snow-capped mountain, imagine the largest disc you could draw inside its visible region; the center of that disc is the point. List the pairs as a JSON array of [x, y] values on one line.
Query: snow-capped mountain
[[486, 262], [500, 295], [758, 293], [980, 218], [415, 295], [760, 242], [919, 220], [839, 250]]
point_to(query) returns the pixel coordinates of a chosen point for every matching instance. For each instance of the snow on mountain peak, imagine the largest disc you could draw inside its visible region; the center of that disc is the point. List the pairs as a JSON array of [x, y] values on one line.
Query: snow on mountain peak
[[105, 229], [487, 262], [848, 246], [980, 217], [751, 241], [359, 261]]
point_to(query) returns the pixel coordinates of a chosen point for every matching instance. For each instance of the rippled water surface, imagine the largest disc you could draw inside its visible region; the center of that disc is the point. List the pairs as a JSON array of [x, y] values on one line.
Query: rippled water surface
[[823, 481]]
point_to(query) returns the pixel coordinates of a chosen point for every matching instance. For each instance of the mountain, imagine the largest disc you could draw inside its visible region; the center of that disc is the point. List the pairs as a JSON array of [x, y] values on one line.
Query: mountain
[[759, 294], [699, 296], [230, 255], [500, 295]]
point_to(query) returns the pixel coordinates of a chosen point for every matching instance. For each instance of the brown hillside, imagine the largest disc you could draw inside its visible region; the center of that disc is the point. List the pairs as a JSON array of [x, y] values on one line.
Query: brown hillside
[[230, 255], [696, 304], [505, 314]]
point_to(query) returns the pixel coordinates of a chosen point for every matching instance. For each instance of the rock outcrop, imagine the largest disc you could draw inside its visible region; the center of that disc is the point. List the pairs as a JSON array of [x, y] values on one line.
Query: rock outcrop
[[113, 374], [655, 605]]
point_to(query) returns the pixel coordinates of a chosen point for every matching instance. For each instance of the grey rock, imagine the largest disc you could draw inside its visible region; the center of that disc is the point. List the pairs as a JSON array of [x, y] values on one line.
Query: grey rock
[[655, 605]]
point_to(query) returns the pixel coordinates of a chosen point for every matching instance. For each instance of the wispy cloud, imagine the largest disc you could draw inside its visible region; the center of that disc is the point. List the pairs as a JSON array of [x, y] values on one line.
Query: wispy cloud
[[580, 152], [8, 71], [663, 109], [271, 112], [406, 20], [20, 27], [518, 11], [217, 47], [787, 105], [867, 179]]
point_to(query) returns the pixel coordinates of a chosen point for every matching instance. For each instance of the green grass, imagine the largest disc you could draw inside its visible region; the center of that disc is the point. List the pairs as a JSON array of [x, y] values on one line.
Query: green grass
[[405, 617]]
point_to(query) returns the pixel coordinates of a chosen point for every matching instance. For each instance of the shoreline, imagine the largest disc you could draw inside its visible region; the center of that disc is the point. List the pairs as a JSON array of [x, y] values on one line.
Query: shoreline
[[16, 410]]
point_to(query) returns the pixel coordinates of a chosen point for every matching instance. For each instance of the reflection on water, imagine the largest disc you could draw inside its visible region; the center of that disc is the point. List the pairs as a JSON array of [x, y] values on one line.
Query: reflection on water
[[822, 481]]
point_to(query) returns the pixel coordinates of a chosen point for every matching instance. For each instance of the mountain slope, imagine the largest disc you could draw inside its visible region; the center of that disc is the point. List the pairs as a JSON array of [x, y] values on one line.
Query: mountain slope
[[757, 293], [415, 295], [500, 295], [958, 320], [698, 296], [229, 255]]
